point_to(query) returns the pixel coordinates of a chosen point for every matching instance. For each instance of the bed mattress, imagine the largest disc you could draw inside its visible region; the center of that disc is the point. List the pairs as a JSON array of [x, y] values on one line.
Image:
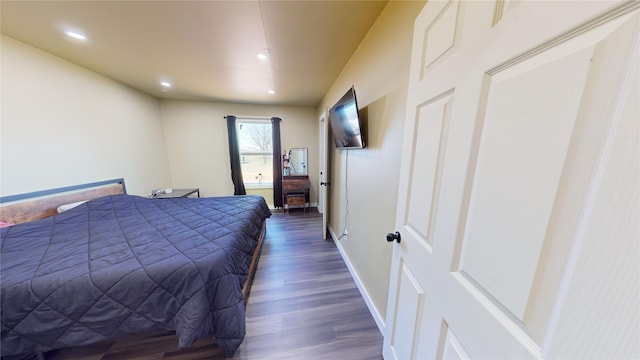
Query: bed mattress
[[124, 264]]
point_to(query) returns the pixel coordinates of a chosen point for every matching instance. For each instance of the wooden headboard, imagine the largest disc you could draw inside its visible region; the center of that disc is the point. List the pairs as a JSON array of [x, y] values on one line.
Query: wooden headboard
[[16, 209]]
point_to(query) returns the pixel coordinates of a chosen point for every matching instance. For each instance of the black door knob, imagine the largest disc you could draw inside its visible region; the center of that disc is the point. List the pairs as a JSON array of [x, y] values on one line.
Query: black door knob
[[393, 236]]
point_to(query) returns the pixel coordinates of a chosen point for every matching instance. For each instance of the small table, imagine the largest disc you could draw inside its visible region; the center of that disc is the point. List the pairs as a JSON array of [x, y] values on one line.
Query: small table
[[296, 199], [299, 185], [177, 193]]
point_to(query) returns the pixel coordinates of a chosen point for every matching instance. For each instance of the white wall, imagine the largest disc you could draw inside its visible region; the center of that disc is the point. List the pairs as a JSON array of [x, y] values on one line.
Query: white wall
[[198, 148], [63, 125], [379, 70]]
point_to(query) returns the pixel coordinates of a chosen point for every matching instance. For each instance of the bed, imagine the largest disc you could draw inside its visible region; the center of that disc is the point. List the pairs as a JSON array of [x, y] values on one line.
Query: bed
[[120, 264]]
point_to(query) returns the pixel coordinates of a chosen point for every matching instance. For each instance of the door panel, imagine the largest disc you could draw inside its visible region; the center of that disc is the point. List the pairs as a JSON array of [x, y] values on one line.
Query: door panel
[[431, 127], [410, 301], [451, 347], [511, 110], [523, 145], [442, 34], [610, 228]]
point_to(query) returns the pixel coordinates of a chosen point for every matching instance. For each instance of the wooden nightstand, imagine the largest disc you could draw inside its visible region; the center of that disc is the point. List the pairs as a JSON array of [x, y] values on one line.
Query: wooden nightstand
[[295, 191]]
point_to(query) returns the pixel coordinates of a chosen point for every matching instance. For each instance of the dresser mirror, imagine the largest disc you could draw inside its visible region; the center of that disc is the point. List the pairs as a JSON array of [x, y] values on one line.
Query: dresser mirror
[[297, 163]]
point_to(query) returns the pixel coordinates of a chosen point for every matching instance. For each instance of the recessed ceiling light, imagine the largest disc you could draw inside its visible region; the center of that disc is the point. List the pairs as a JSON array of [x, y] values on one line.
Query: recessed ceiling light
[[271, 92], [263, 55], [76, 35], [165, 84]]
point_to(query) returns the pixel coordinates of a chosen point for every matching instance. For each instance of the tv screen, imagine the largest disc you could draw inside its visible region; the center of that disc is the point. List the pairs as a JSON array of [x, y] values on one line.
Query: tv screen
[[345, 122]]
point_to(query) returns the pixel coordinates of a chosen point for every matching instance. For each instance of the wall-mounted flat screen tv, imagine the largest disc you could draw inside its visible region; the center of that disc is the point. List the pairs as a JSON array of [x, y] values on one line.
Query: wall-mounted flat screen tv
[[346, 126]]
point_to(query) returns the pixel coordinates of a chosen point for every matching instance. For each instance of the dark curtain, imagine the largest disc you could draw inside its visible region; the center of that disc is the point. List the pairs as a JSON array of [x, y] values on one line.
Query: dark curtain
[[277, 163], [234, 155]]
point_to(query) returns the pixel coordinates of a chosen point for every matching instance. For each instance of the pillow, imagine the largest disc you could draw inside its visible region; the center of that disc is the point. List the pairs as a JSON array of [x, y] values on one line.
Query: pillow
[[65, 207], [4, 224]]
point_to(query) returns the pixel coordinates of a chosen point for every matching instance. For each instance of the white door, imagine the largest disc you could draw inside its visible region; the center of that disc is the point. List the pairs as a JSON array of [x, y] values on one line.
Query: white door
[[323, 206], [519, 185]]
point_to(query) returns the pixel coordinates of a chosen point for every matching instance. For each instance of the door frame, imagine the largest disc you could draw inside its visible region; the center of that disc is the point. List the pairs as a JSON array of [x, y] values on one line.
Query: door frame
[[323, 165]]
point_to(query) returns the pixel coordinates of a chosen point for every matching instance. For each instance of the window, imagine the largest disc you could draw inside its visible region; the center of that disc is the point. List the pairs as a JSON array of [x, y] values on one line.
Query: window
[[256, 152]]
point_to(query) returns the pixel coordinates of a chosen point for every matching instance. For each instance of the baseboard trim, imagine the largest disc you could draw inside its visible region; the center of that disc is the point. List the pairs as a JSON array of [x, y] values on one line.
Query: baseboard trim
[[363, 291]]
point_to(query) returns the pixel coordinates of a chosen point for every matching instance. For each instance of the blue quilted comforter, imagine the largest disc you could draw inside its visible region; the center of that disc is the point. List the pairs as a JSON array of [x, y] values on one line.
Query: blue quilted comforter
[[123, 264]]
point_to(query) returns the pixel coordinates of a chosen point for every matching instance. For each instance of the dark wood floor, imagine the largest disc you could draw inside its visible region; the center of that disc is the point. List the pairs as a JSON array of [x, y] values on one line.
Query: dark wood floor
[[303, 305]]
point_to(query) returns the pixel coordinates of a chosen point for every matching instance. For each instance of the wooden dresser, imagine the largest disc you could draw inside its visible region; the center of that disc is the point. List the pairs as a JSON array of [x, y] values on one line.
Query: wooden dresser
[[295, 191]]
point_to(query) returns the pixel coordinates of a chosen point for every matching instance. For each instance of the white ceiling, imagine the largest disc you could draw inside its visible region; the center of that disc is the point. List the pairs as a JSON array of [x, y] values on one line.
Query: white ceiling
[[206, 49]]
